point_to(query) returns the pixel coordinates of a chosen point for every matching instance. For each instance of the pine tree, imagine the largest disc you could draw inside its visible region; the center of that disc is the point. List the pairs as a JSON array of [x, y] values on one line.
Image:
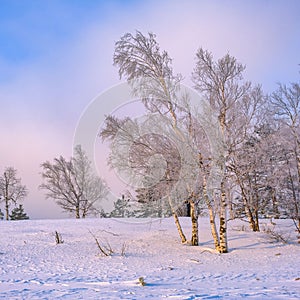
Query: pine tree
[[18, 213], [121, 208]]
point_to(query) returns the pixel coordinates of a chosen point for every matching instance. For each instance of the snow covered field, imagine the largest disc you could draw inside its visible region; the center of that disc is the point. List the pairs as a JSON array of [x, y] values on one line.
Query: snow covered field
[[32, 266]]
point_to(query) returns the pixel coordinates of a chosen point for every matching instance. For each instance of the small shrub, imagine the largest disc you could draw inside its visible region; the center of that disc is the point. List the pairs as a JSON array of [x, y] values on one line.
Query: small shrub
[[274, 235]]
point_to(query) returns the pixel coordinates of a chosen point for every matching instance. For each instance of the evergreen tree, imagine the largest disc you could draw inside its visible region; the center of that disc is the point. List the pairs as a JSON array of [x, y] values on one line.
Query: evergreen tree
[[152, 203], [18, 213], [1, 215], [121, 208]]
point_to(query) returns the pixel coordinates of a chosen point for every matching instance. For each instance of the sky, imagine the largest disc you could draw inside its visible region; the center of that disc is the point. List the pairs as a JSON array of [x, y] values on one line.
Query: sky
[[56, 57]]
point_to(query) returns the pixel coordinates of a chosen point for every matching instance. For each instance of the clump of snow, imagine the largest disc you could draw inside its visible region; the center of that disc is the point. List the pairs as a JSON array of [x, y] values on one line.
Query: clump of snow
[[147, 261]]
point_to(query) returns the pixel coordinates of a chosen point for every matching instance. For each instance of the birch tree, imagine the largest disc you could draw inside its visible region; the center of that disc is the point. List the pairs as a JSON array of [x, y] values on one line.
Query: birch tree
[[221, 83], [149, 71], [11, 189], [250, 157], [141, 62], [73, 184], [256, 169], [286, 107], [130, 153]]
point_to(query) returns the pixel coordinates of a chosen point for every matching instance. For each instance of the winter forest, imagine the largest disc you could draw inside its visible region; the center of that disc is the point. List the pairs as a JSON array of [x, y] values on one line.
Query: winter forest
[[217, 160]]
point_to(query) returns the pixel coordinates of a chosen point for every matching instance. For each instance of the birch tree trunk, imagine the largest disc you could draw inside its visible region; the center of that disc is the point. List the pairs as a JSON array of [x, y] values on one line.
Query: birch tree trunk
[[249, 214], [223, 248], [256, 221], [179, 228], [212, 220], [194, 218], [176, 219], [247, 207]]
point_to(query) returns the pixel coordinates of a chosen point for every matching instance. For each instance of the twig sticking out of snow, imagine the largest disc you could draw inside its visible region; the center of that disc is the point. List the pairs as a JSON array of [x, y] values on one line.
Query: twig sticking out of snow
[[106, 250], [142, 281], [58, 238], [123, 249]]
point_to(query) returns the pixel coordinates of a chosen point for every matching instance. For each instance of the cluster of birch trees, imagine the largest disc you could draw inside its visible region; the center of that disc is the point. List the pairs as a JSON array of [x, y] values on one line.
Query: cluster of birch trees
[[249, 166]]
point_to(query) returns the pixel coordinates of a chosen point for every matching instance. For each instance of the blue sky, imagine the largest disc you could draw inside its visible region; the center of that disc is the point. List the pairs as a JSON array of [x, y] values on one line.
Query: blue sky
[[56, 56]]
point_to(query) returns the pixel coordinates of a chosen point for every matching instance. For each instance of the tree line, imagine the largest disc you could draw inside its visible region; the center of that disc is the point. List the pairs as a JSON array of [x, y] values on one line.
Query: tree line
[[71, 183]]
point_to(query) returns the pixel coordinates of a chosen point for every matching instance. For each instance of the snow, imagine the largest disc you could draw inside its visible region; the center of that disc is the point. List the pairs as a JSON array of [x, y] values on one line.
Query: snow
[[33, 266]]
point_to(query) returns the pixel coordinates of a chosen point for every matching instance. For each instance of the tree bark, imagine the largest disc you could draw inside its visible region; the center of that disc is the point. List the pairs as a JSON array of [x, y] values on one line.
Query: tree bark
[[249, 214], [77, 212], [212, 220], [179, 228], [6, 209], [194, 218], [177, 223], [246, 205], [256, 221], [223, 248]]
